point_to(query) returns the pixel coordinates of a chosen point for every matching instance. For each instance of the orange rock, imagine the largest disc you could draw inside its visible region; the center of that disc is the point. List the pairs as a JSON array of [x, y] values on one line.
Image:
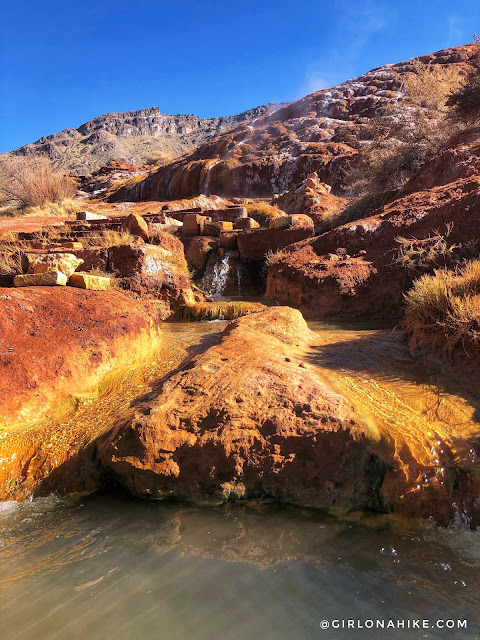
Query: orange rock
[[136, 225], [256, 243], [89, 281], [246, 223], [45, 279], [67, 263], [59, 341], [244, 420], [198, 249]]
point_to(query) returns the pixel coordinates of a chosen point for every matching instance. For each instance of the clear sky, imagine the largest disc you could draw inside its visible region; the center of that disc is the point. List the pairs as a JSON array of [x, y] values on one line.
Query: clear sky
[[63, 62]]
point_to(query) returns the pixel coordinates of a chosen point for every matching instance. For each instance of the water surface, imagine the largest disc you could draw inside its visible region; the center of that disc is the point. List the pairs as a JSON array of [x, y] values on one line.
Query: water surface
[[114, 567]]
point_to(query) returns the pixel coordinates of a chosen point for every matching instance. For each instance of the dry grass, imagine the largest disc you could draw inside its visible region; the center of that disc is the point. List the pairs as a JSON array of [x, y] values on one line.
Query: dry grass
[[444, 309], [159, 159], [31, 181], [433, 252], [10, 211], [109, 238], [63, 209], [273, 257], [11, 251], [262, 212]]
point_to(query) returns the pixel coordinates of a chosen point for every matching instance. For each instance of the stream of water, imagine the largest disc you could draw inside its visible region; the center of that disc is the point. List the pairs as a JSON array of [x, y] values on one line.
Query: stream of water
[[113, 566]]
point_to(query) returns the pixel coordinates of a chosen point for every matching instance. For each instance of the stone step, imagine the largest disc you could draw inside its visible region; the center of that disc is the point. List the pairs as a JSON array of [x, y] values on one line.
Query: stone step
[[48, 279], [88, 281]]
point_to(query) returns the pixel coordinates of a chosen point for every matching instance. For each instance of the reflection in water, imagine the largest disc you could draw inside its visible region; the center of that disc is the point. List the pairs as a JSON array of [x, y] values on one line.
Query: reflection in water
[[116, 567]]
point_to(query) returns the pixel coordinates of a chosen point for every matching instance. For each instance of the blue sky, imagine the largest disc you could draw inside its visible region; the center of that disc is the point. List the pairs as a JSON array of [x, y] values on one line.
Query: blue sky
[[63, 63]]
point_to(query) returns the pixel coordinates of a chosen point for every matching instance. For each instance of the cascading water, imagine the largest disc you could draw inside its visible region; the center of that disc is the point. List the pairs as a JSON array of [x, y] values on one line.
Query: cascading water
[[206, 185], [215, 279]]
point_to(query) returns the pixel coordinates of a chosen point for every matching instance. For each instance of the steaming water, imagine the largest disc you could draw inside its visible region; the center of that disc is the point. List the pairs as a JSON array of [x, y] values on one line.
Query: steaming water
[[116, 567]]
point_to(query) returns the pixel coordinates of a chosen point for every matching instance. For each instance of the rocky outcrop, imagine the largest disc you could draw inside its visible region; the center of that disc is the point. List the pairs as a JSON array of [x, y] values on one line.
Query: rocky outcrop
[[313, 198], [133, 137], [158, 271], [354, 270], [66, 263], [257, 243], [254, 418], [247, 419], [55, 342], [320, 133]]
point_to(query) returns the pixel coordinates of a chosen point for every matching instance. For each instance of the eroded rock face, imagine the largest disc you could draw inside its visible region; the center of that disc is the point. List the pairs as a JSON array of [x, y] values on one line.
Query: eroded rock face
[[157, 270], [319, 133], [257, 243], [246, 418], [352, 270], [60, 341]]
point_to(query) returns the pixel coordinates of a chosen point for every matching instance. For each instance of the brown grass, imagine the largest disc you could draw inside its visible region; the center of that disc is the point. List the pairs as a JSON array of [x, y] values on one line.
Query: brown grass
[[64, 209], [109, 238], [273, 257], [262, 212], [444, 309], [433, 252], [31, 181], [11, 251], [159, 159]]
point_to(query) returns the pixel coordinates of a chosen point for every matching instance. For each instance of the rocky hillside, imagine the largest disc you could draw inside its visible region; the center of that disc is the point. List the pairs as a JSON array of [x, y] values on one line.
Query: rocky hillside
[[132, 137], [364, 267], [277, 150]]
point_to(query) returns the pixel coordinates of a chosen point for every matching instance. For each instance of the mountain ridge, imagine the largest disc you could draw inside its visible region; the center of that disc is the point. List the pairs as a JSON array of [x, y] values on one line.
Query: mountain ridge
[[132, 136]]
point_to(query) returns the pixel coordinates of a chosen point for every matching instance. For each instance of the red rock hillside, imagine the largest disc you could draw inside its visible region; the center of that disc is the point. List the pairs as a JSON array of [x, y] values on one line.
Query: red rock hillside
[[273, 152], [351, 270]]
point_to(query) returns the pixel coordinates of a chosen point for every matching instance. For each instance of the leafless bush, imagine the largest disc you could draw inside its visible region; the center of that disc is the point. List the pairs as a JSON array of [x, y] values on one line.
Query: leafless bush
[[31, 181], [434, 252], [465, 101], [396, 144]]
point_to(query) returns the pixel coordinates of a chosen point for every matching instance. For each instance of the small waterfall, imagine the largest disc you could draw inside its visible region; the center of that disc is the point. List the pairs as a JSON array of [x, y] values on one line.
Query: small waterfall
[[206, 185], [215, 279]]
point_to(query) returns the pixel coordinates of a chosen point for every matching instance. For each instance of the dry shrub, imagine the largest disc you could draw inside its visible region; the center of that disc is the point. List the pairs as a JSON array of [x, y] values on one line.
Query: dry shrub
[[109, 238], [395, 145], [444, 309], [464, 102], [433, 252], [262, 212], [273, 257], [30, 181], [66, 208], [430, 85], [159, 159]]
